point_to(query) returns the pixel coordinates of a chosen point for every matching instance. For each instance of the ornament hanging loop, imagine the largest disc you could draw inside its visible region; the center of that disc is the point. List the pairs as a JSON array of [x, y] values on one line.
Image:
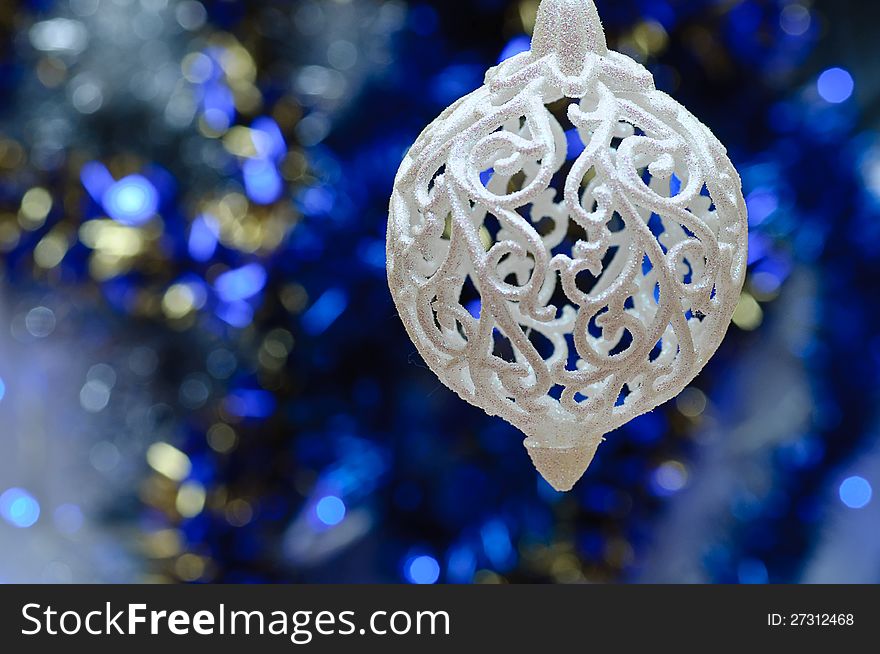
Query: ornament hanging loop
[[570, 30]]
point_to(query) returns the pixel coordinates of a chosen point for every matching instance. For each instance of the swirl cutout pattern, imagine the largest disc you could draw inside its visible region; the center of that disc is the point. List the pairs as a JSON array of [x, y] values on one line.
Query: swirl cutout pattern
[[566, 247]]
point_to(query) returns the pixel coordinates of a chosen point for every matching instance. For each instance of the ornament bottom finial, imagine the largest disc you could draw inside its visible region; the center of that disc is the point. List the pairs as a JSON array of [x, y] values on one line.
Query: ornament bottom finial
[[562, 467]]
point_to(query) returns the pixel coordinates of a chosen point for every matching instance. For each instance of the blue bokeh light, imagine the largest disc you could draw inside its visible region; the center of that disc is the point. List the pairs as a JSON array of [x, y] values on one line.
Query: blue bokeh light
[[325, 311], [668, 479], [2, 388], [268, 138], [237, 314], [497, 545], [203, 237], [835, 85], [752, 571], [330, 510], [372, 253], [515, 46], [262, 182], [248, 403], [133, 200], [461, 565], [241, 283], [218, 104], [762, 203], [856, 492], [422, 569], [96, 179], [19, 508], [316, 201]]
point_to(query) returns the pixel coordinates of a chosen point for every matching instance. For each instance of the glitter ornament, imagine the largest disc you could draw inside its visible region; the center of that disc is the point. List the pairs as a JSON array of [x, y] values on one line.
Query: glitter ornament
[[566, 244]]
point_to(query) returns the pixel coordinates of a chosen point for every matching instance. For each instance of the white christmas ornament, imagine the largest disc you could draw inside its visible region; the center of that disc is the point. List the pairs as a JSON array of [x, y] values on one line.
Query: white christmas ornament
[[566, 244]]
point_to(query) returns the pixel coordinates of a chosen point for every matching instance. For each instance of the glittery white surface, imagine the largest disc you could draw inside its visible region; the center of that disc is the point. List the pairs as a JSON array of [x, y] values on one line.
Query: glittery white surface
[[606, 280]]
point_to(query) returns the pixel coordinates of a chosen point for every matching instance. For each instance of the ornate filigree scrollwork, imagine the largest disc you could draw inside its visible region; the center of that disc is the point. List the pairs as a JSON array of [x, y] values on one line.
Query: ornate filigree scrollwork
[[567, 245]]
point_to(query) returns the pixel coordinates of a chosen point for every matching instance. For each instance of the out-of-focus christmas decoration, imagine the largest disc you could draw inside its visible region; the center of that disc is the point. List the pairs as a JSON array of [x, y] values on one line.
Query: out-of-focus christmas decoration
[[567, 244]]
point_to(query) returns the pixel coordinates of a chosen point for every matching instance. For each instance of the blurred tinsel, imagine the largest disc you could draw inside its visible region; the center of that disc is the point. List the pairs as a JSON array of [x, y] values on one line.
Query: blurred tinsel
[[193, 200]]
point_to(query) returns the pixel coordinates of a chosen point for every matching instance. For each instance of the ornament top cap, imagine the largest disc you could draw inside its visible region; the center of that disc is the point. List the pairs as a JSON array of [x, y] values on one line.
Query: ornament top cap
[[571, 30]]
